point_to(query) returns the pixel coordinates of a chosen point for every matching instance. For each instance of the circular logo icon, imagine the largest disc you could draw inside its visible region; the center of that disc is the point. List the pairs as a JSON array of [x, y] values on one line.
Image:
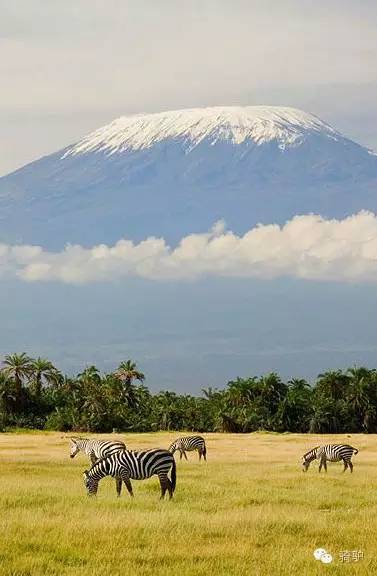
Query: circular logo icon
[[319, 553], [326, 558]]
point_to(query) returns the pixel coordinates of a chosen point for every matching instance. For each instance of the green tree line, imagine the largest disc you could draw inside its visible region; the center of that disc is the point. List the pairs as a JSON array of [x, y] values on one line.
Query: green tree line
[[35, 394]]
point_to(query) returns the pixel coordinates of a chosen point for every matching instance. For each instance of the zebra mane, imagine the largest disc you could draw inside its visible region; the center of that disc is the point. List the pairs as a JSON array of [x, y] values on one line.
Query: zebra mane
[[310, 451]]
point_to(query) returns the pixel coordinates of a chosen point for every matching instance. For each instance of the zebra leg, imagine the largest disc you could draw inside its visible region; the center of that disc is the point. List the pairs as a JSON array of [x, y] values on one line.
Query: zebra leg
[[184, 454], [128, 484], [320, 465], [200, 454], [170, 488], [325, 464], [164, 484], [118, 484], [345, 465], [351, 466], [180, 454]]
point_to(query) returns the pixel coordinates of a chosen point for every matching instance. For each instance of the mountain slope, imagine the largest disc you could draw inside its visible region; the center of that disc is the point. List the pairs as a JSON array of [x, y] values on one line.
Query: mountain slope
[[178, 172]]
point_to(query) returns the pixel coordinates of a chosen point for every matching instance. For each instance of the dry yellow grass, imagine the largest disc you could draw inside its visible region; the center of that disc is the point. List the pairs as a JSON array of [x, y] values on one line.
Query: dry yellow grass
[[248, 511]]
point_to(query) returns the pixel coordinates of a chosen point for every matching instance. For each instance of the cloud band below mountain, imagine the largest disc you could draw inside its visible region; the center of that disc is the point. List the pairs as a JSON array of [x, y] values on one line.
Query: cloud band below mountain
[[308, 247]]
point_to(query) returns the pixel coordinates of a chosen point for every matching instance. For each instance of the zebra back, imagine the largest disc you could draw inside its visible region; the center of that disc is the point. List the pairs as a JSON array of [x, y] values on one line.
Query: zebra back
[[103, 448], [98, 448], [138, 465], [336, 452]]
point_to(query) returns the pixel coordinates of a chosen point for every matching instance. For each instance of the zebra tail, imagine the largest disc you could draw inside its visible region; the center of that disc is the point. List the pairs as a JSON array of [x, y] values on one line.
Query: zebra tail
[[355, 451], [173, 475]]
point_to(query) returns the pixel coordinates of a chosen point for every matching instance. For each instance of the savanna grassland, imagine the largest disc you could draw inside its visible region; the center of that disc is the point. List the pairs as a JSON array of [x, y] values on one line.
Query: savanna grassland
[[248, 510]]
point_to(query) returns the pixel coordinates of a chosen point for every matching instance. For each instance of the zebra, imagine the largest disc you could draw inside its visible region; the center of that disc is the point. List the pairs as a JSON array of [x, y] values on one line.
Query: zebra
[[188, 444], [331, 453], [97, 449], [128, 465]]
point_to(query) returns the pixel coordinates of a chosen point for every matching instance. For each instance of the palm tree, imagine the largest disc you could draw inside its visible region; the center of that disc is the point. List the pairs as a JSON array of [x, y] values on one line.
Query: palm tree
[[90, 375], [19, 367], [240, 391], [295, 410], [209, 393], [330, 399], [166, 406], [43, 372], [333, 384], [7, 397], [127, 372], [360, 397]]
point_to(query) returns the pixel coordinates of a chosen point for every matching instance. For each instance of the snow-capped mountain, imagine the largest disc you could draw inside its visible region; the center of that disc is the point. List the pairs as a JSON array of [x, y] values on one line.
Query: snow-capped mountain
[[173, 173], [260, 124]]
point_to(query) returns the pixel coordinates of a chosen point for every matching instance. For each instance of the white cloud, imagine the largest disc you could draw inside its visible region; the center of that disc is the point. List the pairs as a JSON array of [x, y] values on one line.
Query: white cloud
[[307, 247]]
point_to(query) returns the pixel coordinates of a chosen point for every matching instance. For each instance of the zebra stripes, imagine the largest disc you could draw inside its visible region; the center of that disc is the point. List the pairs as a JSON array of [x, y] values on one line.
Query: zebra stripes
[[331, 453], [95, 449], [127, 465], [188, 444]]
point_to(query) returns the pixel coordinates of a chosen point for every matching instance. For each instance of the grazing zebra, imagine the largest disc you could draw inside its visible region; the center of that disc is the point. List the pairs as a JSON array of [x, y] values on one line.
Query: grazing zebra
[[128, 465], [188, 444], [97, 449], [331, 453]]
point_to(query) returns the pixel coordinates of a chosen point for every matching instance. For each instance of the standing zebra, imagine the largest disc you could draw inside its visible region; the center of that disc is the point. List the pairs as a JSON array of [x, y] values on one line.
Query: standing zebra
[[188, 444], [331, 453], [97, 449], [128, 465]]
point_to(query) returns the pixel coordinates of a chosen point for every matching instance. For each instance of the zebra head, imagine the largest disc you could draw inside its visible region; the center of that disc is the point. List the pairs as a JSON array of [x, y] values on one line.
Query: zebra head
[[173, 447], [91, 484], [308, 458], [75, 447]]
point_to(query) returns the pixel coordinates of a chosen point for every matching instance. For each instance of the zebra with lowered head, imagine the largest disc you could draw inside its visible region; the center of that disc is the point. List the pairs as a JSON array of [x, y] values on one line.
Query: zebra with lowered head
[[97, 449], [330, 453], [131, 465], [188, 444]]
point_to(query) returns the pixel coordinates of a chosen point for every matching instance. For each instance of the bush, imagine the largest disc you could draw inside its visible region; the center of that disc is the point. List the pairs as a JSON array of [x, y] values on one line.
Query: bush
[[58, 420]]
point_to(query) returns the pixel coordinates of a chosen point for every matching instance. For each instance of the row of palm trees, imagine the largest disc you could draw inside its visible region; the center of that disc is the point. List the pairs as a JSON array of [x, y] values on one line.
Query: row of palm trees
[[40, 371], [36, 371], [34, 393]]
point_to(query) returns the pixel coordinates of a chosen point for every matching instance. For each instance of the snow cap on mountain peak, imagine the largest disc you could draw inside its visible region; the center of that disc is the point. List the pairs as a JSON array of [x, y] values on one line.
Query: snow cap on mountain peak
[[260, 124]]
